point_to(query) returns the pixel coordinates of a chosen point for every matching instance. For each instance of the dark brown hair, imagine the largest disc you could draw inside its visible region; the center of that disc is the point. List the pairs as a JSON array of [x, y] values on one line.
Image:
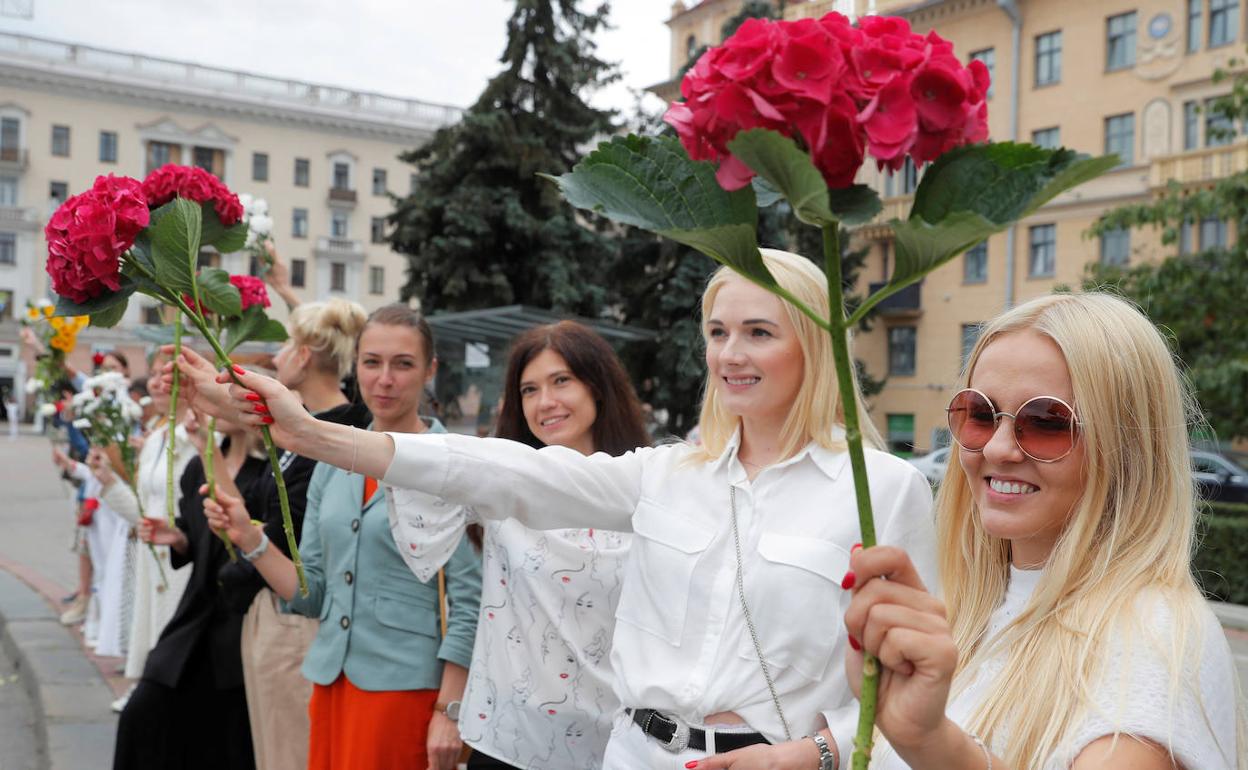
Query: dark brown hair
[[619, 427], [398, 314]]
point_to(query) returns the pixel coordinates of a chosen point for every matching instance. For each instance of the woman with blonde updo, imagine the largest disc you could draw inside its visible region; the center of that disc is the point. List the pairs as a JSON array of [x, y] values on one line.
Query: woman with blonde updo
[[316, 357]]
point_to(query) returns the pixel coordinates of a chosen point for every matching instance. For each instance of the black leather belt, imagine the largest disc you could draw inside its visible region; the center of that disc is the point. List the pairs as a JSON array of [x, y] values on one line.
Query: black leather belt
[[676, 736]]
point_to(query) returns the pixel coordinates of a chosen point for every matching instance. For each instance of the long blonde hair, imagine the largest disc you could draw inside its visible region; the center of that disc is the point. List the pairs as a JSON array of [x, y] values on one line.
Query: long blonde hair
[[1129, 537], [816, 411]]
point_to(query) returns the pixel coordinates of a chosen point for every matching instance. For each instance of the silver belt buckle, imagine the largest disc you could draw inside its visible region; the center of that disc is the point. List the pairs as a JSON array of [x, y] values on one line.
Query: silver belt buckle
[[680, 736]]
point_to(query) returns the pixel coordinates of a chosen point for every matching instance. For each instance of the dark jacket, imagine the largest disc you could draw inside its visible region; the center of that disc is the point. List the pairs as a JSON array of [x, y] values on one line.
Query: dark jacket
[[203, 616], [240, 581]]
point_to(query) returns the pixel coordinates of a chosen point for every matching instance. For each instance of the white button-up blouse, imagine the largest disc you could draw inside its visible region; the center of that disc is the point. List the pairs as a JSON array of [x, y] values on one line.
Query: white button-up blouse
[[681, 643]]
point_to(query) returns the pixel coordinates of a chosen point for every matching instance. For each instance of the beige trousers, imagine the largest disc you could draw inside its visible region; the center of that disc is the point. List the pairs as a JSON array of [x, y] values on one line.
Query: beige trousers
[[274, 645]]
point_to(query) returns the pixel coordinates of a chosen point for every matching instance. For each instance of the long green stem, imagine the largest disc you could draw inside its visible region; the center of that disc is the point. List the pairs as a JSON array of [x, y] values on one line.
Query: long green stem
[[853, 437], [210, 476], [170, 454]]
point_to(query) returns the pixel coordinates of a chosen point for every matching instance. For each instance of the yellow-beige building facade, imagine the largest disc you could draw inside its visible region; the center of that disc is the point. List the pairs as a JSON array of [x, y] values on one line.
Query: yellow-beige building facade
[[1131, 77], [324, 158]]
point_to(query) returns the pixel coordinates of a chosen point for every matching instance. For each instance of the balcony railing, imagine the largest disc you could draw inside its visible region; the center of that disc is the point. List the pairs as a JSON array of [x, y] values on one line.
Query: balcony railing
[[339, 249], [14, 158], [1199, 166], [906, 302], [18, 218], [341, 196]]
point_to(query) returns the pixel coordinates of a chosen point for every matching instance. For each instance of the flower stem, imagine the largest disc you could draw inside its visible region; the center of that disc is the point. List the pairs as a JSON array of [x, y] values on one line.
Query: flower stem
[[210, 476], [170, 455], [862, 492]]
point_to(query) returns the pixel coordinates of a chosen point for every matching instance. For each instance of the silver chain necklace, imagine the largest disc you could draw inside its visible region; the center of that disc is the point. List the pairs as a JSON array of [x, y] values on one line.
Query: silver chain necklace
[[749, 620]]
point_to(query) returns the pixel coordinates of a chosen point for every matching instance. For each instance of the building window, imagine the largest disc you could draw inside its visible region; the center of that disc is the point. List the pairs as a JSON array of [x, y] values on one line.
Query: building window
[[1223, 22], [160, 153], [1193, 25], [1049, 58], [901, 434], [60, 141], [8, 191], [376, 280], [152, 315], [378, 229], [1120, 137], [298, 272], [970, 335], [691, 47], [58, 192], [1185, 237], [8, 249], [338, 276], [342, 176], [1120, 41], [301, 172], [108, 146], [989, 57], [413, 184], [259, 167], [975, 264], [1049, 138], [1043, 261], [1212, 233], [1219, 128], [1116, 246], [901, 340], [379, 181], [1191, 125], [10, 138], [206, 158], [299, 223], [338, 224]]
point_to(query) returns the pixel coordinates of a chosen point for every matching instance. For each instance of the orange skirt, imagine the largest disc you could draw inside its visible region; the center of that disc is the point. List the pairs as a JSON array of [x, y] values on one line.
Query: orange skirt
[[353, 729]]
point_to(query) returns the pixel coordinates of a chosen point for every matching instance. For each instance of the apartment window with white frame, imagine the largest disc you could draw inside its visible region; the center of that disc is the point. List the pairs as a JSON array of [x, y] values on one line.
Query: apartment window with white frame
[[302, 172], [108, 146], [1212, 233], [901, 350], [376, 279], [379, 181], [298, 273], [1116, 247], [1049, 58], [377, 230], [1223, 22], [1120, 36], [8, 248], [58, 192], [10, 138], [338, 224], [342, 176], [8, 191], [60, 141], [1043, 254], [1191, 125], [299, 223], [1049, 138], [338, 276], [1120, 137], [975, 264], [1219, 128], [259, 167], [1194, 11]]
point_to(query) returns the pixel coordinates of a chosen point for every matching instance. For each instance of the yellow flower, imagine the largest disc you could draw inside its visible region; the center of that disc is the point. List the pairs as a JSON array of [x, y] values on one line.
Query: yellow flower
[[57, 323], [80, 322], [48, 310], [32, 313]]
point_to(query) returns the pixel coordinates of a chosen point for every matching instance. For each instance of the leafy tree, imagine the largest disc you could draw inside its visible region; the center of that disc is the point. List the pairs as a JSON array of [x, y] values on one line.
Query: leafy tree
[[1196, 294], [481, 228]]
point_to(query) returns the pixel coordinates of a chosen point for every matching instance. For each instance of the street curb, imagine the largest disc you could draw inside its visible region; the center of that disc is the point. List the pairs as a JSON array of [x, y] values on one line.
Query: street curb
[[74, 726], [1231, 615]]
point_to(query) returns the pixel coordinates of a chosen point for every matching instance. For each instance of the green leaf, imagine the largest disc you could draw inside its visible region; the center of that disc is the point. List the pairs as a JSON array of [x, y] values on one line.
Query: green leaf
[[787, 168], [971, 192], [856, 204], [109, 317], [253, 324], [223, 239], [651, 183], [764, 194], [67, 307], [218, 294], [175, 243]]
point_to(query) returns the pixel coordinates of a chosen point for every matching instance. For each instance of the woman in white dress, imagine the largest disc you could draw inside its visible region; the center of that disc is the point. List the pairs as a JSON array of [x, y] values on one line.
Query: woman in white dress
[[540, 690], [728, 631], [1073, 634]]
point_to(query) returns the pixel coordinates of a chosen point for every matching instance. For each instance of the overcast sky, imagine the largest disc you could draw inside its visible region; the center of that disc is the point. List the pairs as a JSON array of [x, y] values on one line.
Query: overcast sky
[[425, 49]]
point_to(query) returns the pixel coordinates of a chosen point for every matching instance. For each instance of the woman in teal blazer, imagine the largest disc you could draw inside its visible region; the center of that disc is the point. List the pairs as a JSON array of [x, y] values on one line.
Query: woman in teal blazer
[[384, 675]]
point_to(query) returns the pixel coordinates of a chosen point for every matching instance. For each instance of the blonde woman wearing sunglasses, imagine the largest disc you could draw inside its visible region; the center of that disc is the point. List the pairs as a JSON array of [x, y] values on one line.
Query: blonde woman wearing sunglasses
[[1072, 633]]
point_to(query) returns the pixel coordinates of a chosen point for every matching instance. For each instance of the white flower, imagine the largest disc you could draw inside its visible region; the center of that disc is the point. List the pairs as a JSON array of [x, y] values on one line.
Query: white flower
[[34, 385], [82, 423], [145, 401], [261, 224], [246, 200], [44, 302], [47, 410]]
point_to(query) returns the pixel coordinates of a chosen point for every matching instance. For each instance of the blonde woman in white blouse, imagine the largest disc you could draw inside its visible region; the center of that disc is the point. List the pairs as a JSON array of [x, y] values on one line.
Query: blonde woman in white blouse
[[767, 498], [1076, 636]]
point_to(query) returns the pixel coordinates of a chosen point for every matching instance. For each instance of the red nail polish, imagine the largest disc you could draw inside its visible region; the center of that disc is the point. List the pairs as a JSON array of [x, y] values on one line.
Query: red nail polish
[[261, 409], [267, 420], [239, 370], [691, 765], [847, 582], [856, 547], [854, 643], [251, 396]]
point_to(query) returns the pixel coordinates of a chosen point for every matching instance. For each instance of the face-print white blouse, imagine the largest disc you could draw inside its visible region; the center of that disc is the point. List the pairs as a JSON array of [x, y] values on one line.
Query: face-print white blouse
[[681, 643], [540, 691]]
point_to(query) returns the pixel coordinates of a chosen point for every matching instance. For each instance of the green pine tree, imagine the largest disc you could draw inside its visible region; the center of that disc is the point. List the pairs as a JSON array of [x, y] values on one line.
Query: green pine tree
[[481, 229]]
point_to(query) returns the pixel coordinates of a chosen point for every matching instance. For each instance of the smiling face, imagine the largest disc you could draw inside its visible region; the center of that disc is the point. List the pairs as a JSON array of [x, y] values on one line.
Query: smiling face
[[558, 407], [392, 373], [1020, 499], [753, 355]]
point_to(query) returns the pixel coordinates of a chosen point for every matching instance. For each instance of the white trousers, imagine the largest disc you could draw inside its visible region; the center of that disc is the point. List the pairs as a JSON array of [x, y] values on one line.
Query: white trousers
[[630, 749]]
